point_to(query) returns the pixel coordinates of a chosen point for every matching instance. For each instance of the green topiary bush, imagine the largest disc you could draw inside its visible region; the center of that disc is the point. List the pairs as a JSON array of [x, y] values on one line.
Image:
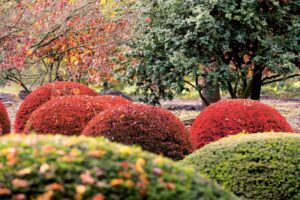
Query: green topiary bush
[[61, 167], [253, 166]]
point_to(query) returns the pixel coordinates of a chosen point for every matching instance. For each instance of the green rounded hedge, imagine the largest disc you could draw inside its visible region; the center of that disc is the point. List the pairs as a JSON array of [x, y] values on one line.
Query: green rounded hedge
[[61, 167], [253, 166]]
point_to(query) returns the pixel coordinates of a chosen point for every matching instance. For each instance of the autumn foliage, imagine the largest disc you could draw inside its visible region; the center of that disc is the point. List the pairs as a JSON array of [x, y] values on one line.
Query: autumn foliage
[[69, 114], [4, 120], [229, 117], [45, 93], [153, 128], [113, 100], [63, 40], [45, 167]]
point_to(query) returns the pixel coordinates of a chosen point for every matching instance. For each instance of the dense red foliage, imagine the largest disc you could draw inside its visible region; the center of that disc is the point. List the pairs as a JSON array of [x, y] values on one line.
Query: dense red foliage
[[4, 120], [68, 115], [229, 117], [114, 100], [153, 128], [43, 94]]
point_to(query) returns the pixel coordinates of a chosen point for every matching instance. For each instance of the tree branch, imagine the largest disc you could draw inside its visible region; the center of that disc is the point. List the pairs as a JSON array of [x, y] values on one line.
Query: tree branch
[[281, 79], [270, 77]]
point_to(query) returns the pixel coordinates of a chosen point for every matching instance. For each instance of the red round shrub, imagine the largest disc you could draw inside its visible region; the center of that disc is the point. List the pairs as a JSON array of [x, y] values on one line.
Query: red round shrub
[[229, 117], [43, 94], [68, 115], [4, 120], [113, 100], [153, 128]]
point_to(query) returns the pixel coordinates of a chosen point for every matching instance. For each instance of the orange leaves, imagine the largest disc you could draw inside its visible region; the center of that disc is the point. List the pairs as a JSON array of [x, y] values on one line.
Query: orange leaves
[[125, 164], [139, 165], [96, 153], [47, 149], [86, 178], [44, 168], [20, 183], [116, 181], [80, 190], [4, 191], [125, 174], [24, 171], [54, 186], [46, 196], [71, 28], [11, 156], [98, 197]]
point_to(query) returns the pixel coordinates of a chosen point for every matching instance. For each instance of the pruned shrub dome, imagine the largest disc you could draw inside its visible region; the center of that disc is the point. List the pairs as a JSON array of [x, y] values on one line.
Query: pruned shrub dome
[[229, 117], [153, 128], [60, 167], [114, 100], [258, 166], [4, 120], [69, 114], [45, 93]]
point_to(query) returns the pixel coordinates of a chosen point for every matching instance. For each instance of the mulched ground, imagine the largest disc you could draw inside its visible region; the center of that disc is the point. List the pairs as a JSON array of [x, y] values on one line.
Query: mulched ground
[[187, 110]]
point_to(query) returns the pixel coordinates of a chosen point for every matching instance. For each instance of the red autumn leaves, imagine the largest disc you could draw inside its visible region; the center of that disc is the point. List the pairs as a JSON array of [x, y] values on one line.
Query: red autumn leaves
[[231, 117], [73, 109], [4, 120]]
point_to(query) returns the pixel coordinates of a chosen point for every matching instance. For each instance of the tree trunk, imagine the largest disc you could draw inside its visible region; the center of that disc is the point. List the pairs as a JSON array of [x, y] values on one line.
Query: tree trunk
[[256, 84], [211, 93]]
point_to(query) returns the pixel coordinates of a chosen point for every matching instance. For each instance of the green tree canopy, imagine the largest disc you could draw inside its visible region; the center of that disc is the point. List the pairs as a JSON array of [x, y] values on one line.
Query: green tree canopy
[[240, 44]]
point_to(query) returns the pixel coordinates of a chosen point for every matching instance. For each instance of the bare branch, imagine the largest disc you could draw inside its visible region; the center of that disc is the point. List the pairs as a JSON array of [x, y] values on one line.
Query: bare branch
[[281, 79]]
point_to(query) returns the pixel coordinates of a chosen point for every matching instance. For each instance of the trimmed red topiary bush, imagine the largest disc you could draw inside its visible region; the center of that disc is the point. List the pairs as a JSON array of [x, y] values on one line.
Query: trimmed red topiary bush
[[229, 117], [4, 120], [153, 128], [43, 94], [113, 100], [68, 115]]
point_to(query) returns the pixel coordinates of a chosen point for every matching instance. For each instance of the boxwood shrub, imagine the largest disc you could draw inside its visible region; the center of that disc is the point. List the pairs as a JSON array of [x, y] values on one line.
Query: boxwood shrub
[[45, 93], [60, 167], [4, 120], [153, 128], [69, 114], [230, 117], [253, 166]]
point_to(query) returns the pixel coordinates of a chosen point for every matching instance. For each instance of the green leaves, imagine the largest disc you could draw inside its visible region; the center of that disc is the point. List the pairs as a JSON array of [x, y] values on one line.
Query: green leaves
[[253, 166], [58, 167], [185, 34]]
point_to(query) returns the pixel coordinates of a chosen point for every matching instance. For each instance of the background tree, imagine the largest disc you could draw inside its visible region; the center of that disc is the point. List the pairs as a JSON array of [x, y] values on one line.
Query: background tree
[[64, 40], [239, 44]]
